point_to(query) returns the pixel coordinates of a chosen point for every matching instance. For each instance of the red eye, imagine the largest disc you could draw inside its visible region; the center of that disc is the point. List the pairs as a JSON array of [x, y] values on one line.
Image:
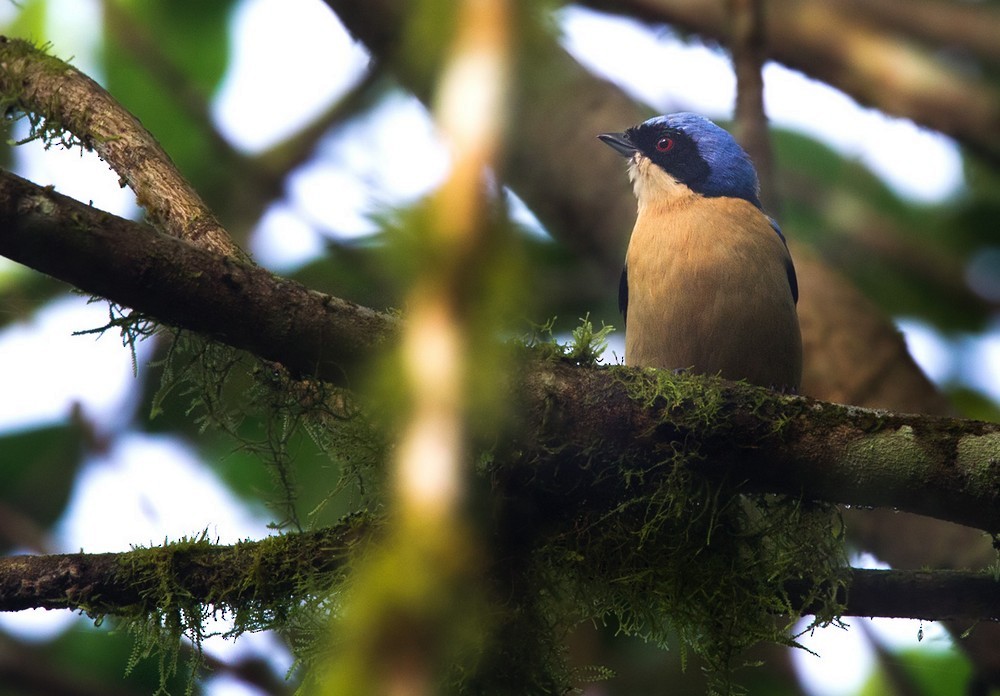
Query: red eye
[[665, 144]]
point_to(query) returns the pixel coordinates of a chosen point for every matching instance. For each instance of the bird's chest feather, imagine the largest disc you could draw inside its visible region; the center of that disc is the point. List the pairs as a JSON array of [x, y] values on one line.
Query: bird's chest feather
[[707, 289], [687, 255]]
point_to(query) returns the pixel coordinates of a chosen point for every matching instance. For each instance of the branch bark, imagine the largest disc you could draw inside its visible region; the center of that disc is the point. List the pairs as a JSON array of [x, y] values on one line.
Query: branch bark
[[67, 100], [945, 468], [182, 285], [115, 583]]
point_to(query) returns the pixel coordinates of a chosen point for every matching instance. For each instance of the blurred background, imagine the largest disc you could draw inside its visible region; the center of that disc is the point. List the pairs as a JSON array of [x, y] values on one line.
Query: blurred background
[[301, 142]]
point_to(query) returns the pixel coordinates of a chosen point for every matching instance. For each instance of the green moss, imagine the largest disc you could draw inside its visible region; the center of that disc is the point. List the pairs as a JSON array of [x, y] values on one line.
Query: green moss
[[268, 414], [686, 400], [282, 583], [898, 444], [676, 553], [166, 614], [20, 58], [586, 345], [977, 453]]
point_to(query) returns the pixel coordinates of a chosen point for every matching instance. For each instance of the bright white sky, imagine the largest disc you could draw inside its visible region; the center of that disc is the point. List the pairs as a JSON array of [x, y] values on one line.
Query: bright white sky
[[370, 169]]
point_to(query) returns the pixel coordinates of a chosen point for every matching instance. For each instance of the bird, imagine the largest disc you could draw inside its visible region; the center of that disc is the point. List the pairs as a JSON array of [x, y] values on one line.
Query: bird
[[708, 284]]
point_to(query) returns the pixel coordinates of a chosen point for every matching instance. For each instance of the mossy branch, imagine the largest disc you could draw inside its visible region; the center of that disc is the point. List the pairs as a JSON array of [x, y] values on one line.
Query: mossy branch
[[275, 571], [941, 467], [142, 581], [60, 100]]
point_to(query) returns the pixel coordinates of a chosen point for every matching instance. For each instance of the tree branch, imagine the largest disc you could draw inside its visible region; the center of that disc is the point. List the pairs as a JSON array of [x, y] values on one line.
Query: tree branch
[[280, 568], [950, 25], [830, 42], [64, 99], [181, 285], [748, 46], [939, 595], [590, 418], [273, 569], [939, 467]]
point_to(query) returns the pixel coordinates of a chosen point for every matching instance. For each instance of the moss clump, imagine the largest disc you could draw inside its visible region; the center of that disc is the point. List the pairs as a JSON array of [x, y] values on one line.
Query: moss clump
[[585, 347], [167, 612], [282, 583], [672, 552]]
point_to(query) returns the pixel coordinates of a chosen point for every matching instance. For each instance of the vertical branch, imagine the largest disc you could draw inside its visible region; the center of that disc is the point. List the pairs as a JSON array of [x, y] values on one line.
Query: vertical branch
[[468, 111], [748, 42], [418, 609]]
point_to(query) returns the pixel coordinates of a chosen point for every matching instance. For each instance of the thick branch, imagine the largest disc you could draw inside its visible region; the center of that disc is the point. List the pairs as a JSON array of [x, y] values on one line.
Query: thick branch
[[972, 27], [278, 568], [112, 583], [830, 42], [940, 467], [181, 285], [589, 418], [67, 100]]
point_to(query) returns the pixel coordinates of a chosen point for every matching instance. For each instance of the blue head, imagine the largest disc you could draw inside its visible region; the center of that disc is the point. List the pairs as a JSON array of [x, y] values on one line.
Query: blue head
[[693, 151]]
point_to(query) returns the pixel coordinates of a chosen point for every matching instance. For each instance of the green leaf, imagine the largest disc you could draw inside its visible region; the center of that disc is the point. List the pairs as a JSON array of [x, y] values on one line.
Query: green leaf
[[37, 471]]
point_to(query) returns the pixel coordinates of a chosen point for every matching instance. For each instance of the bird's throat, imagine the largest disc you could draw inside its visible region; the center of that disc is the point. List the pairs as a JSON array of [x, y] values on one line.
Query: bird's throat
[[651, 183]]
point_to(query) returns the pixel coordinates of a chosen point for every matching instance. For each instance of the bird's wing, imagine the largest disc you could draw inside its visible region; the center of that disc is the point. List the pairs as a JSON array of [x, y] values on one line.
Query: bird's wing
[[623, 294], [793, 281]]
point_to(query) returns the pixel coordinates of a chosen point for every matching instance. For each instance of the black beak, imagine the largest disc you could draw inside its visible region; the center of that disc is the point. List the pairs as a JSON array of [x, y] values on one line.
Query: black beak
[[621, 143]]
